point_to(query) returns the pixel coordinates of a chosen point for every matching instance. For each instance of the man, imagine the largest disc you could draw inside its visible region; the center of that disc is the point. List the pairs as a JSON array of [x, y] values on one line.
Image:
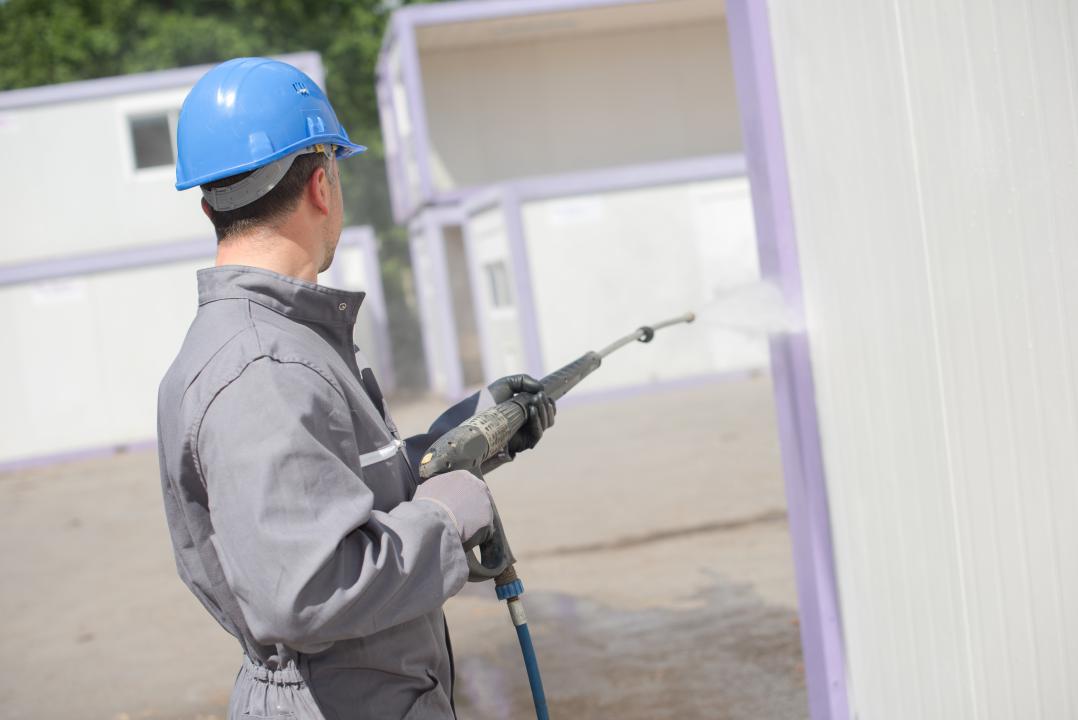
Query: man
[[291, 499]]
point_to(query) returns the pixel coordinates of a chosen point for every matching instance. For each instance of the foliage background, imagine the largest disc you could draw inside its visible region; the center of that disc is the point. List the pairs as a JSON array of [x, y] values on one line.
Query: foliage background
[[54, 41]]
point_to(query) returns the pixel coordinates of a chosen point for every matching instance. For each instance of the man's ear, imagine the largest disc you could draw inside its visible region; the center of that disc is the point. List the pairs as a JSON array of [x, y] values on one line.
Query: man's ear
[[207, 210], [318, 190]]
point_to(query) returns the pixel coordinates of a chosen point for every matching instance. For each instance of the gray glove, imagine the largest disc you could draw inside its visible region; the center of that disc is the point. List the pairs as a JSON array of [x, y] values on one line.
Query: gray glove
[[467, 500], [541, 408]]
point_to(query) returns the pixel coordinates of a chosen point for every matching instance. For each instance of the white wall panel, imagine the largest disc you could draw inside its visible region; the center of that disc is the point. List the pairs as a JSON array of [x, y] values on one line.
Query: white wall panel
[[605, 263], [933, 156], [86, 356], [87, 352], [562, 104], [88, 196]]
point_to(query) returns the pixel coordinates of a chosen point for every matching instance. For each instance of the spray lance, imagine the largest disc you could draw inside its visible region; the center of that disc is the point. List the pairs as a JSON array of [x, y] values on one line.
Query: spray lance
[[484, 435]]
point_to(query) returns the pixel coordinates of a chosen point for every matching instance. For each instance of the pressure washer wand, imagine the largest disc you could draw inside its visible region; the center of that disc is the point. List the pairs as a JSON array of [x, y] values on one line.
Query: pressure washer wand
[[483, 436]]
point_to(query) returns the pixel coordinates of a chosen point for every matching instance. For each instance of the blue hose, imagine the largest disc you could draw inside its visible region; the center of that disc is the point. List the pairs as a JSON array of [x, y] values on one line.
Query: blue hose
[[532, 666], [509, 588]]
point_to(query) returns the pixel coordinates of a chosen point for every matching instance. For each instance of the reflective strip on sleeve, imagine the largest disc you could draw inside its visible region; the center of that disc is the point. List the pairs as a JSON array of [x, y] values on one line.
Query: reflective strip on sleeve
[[381, 454]]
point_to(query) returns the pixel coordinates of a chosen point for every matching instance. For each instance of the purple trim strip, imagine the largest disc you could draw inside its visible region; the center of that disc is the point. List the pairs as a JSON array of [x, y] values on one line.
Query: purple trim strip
[[426, 332], [402, 30], [308, 62], [483, 198], [626, 177], [107, 261], [426, 229], [469, 11], [477, 298], [791, 363], [417, 109], [449, 354], [9, 466], [708, 167], [387, 116], [522, 279], [391, 143], [633, 176]]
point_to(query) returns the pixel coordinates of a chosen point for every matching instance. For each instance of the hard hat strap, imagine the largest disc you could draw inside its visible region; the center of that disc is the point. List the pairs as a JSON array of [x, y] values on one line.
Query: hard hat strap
[[258, 183]]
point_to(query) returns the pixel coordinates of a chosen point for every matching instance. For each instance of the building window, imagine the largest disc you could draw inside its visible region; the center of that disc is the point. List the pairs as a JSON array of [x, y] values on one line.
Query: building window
[[498, 284], [152, 139]]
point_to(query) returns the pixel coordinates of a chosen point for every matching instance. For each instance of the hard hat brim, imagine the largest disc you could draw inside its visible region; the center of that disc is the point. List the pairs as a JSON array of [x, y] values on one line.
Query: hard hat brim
[[345, 148]]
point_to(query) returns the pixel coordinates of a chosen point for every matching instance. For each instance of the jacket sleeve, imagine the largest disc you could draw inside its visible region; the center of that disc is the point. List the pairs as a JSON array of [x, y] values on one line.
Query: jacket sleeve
[[306, 555], [416, 446]]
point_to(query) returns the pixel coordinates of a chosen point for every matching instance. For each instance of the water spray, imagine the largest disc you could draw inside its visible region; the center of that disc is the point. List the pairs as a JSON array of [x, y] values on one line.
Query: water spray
[[484, 435], [755, 309]]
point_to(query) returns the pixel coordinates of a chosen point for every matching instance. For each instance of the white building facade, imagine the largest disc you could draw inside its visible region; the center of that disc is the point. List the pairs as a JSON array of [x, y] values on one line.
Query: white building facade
[[914, 171], [97, 270], [913, 175], [568, 170]]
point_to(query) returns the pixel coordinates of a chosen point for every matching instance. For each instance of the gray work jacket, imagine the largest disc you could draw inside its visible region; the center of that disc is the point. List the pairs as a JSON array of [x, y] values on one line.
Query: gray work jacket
[[287, 492]]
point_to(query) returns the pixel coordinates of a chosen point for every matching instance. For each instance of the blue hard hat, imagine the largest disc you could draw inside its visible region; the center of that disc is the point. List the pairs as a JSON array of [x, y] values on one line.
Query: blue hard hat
[[249, 112]]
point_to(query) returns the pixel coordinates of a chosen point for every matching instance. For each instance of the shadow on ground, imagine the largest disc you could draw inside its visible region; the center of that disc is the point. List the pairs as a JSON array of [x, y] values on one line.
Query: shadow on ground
[[723, 656]]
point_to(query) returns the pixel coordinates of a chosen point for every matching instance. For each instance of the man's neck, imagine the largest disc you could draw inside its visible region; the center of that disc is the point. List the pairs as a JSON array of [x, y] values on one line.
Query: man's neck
[[270, 250]]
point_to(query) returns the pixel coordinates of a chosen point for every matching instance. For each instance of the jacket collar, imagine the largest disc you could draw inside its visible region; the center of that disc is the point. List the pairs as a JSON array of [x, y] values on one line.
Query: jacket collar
[[289, 296]]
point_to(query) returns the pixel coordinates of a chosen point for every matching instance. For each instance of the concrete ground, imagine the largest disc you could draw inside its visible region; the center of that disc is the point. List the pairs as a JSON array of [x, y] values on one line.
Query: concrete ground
[[650, 533]]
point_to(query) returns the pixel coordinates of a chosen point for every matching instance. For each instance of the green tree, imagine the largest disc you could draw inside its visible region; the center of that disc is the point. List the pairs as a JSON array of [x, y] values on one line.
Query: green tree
[[43, 42]]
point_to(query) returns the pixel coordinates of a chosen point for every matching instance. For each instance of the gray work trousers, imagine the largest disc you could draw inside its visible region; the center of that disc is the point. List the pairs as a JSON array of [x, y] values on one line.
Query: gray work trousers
[[261, 693], [264, 694]]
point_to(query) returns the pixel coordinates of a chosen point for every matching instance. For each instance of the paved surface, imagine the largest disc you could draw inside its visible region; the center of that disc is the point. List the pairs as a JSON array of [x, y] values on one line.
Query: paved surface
[[650, 533]]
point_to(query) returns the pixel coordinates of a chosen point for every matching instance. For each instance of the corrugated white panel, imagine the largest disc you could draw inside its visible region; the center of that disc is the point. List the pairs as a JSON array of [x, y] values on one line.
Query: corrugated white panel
[[605, 263], [933, 159]]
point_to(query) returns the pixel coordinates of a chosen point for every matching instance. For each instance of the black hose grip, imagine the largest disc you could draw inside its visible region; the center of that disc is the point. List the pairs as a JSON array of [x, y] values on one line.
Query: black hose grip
[[649, 333]]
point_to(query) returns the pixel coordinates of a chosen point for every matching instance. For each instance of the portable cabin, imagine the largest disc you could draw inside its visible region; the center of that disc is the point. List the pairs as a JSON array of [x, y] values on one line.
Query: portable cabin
[[914, 173], [551, 149], [97, 270], [913, 176]]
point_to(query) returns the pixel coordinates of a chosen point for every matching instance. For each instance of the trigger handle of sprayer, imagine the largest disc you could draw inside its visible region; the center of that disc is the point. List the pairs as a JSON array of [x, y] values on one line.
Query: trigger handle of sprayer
[[495, 556]]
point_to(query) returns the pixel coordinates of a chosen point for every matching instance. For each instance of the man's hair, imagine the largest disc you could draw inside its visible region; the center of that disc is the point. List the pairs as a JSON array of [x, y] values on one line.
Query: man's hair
[[274, 205]]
